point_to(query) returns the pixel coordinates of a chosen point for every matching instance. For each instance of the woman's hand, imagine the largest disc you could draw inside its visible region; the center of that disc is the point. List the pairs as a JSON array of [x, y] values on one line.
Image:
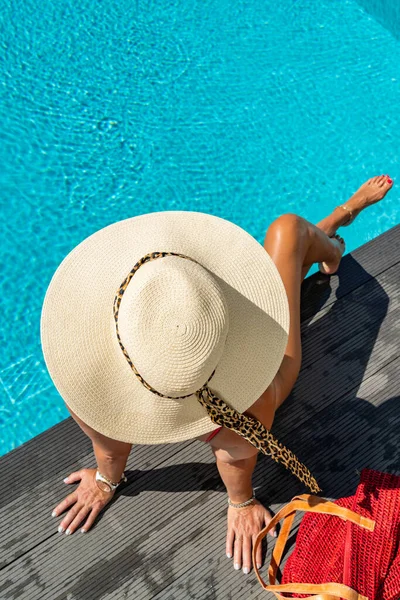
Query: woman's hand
[[87, 499], [244, 524]]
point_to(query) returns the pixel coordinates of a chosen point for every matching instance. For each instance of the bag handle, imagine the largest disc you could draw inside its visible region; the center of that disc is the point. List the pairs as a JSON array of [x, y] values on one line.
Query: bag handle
[[306, 503]]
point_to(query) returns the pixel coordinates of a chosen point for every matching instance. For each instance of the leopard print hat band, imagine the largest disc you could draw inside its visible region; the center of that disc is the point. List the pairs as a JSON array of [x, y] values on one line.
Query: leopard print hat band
[[219, 411]]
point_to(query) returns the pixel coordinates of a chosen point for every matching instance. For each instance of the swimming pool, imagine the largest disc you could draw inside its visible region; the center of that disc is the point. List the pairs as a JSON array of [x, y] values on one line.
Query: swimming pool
[[114, 109]]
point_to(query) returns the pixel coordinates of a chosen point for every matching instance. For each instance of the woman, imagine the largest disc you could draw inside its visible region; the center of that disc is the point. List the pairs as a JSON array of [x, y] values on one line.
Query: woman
[[227, 310]]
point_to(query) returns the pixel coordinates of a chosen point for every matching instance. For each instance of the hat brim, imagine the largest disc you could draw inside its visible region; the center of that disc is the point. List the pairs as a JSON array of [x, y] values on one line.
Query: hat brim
[[79, 341]]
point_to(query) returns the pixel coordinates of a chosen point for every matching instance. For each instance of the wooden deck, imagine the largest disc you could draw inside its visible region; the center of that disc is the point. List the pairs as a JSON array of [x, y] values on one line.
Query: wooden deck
[[163, 535]]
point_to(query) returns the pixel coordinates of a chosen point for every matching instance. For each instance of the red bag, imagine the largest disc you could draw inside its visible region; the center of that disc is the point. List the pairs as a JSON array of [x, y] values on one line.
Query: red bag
[[354, 557]]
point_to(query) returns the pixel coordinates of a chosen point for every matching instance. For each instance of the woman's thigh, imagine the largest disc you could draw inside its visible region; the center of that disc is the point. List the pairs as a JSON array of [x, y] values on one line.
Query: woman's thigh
[[288, 241]]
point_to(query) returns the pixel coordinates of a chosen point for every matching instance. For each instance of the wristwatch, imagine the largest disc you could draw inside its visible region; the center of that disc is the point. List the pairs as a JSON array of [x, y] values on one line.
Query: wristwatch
[[106, 485]]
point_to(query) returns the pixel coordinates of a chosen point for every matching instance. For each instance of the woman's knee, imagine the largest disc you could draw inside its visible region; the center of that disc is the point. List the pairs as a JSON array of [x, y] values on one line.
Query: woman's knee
[[232, 454], [291, 225]]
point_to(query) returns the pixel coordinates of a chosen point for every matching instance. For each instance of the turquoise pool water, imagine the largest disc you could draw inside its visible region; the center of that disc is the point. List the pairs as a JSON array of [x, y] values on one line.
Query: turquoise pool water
[[242, 109]]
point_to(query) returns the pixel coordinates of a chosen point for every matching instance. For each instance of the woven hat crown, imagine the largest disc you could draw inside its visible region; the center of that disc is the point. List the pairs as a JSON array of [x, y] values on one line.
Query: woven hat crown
[[173, 322]]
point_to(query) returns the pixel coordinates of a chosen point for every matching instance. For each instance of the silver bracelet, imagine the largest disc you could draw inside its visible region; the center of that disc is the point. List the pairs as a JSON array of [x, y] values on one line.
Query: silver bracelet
[[242, 504]]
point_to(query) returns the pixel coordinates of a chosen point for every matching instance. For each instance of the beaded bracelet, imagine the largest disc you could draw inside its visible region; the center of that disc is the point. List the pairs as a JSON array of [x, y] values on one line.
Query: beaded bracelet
[[242, 504]]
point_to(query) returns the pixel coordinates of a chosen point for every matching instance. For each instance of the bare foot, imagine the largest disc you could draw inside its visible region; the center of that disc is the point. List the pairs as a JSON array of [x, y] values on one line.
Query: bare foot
[[330, 268], [370, 192]]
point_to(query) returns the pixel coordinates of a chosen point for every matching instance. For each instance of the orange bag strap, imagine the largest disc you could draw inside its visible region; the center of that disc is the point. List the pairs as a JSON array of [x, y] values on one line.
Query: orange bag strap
[[306, 503]]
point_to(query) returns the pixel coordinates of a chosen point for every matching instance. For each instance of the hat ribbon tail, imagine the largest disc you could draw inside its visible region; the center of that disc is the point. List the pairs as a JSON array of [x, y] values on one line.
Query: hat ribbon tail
[[256, 434]]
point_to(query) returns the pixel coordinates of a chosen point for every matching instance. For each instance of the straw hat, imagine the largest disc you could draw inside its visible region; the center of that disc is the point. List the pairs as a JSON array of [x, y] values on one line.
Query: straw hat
[[130, 336]]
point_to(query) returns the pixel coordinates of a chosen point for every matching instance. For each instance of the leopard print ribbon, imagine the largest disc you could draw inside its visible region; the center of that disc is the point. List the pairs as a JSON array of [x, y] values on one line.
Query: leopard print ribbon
[[254, 432], [219, 412]]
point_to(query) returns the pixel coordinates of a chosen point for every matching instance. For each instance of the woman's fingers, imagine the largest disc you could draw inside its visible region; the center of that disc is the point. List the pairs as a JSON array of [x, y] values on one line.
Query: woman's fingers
[[82, 514], [87, 499], [66, 503], [69, 517], [73, 477], [91, 519], [243, 528], [267, 520], [246, 554], [242, 557], [230, 536], [237, 553], [259, 553]]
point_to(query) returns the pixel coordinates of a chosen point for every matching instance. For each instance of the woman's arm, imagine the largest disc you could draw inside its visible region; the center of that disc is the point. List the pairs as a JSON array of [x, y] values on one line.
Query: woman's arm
[[236, 459], [111, 455], [110, 465], [237, 476], [88, 500]]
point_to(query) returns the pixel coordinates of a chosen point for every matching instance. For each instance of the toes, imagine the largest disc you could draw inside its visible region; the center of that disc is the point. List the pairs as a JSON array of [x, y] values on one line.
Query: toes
[[339, 239], [380, 180], [324, 269]]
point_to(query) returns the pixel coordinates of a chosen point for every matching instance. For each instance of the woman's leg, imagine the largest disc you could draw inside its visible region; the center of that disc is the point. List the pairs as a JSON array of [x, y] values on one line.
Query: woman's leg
[[294, 245]]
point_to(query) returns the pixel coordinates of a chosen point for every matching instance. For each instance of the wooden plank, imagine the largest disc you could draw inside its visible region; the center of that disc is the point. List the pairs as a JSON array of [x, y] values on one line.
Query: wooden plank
[[192, 529], [365, 307], [58, 451], [37, 482], [30, 512], [132, 515], [328, 378], [355, 270]]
